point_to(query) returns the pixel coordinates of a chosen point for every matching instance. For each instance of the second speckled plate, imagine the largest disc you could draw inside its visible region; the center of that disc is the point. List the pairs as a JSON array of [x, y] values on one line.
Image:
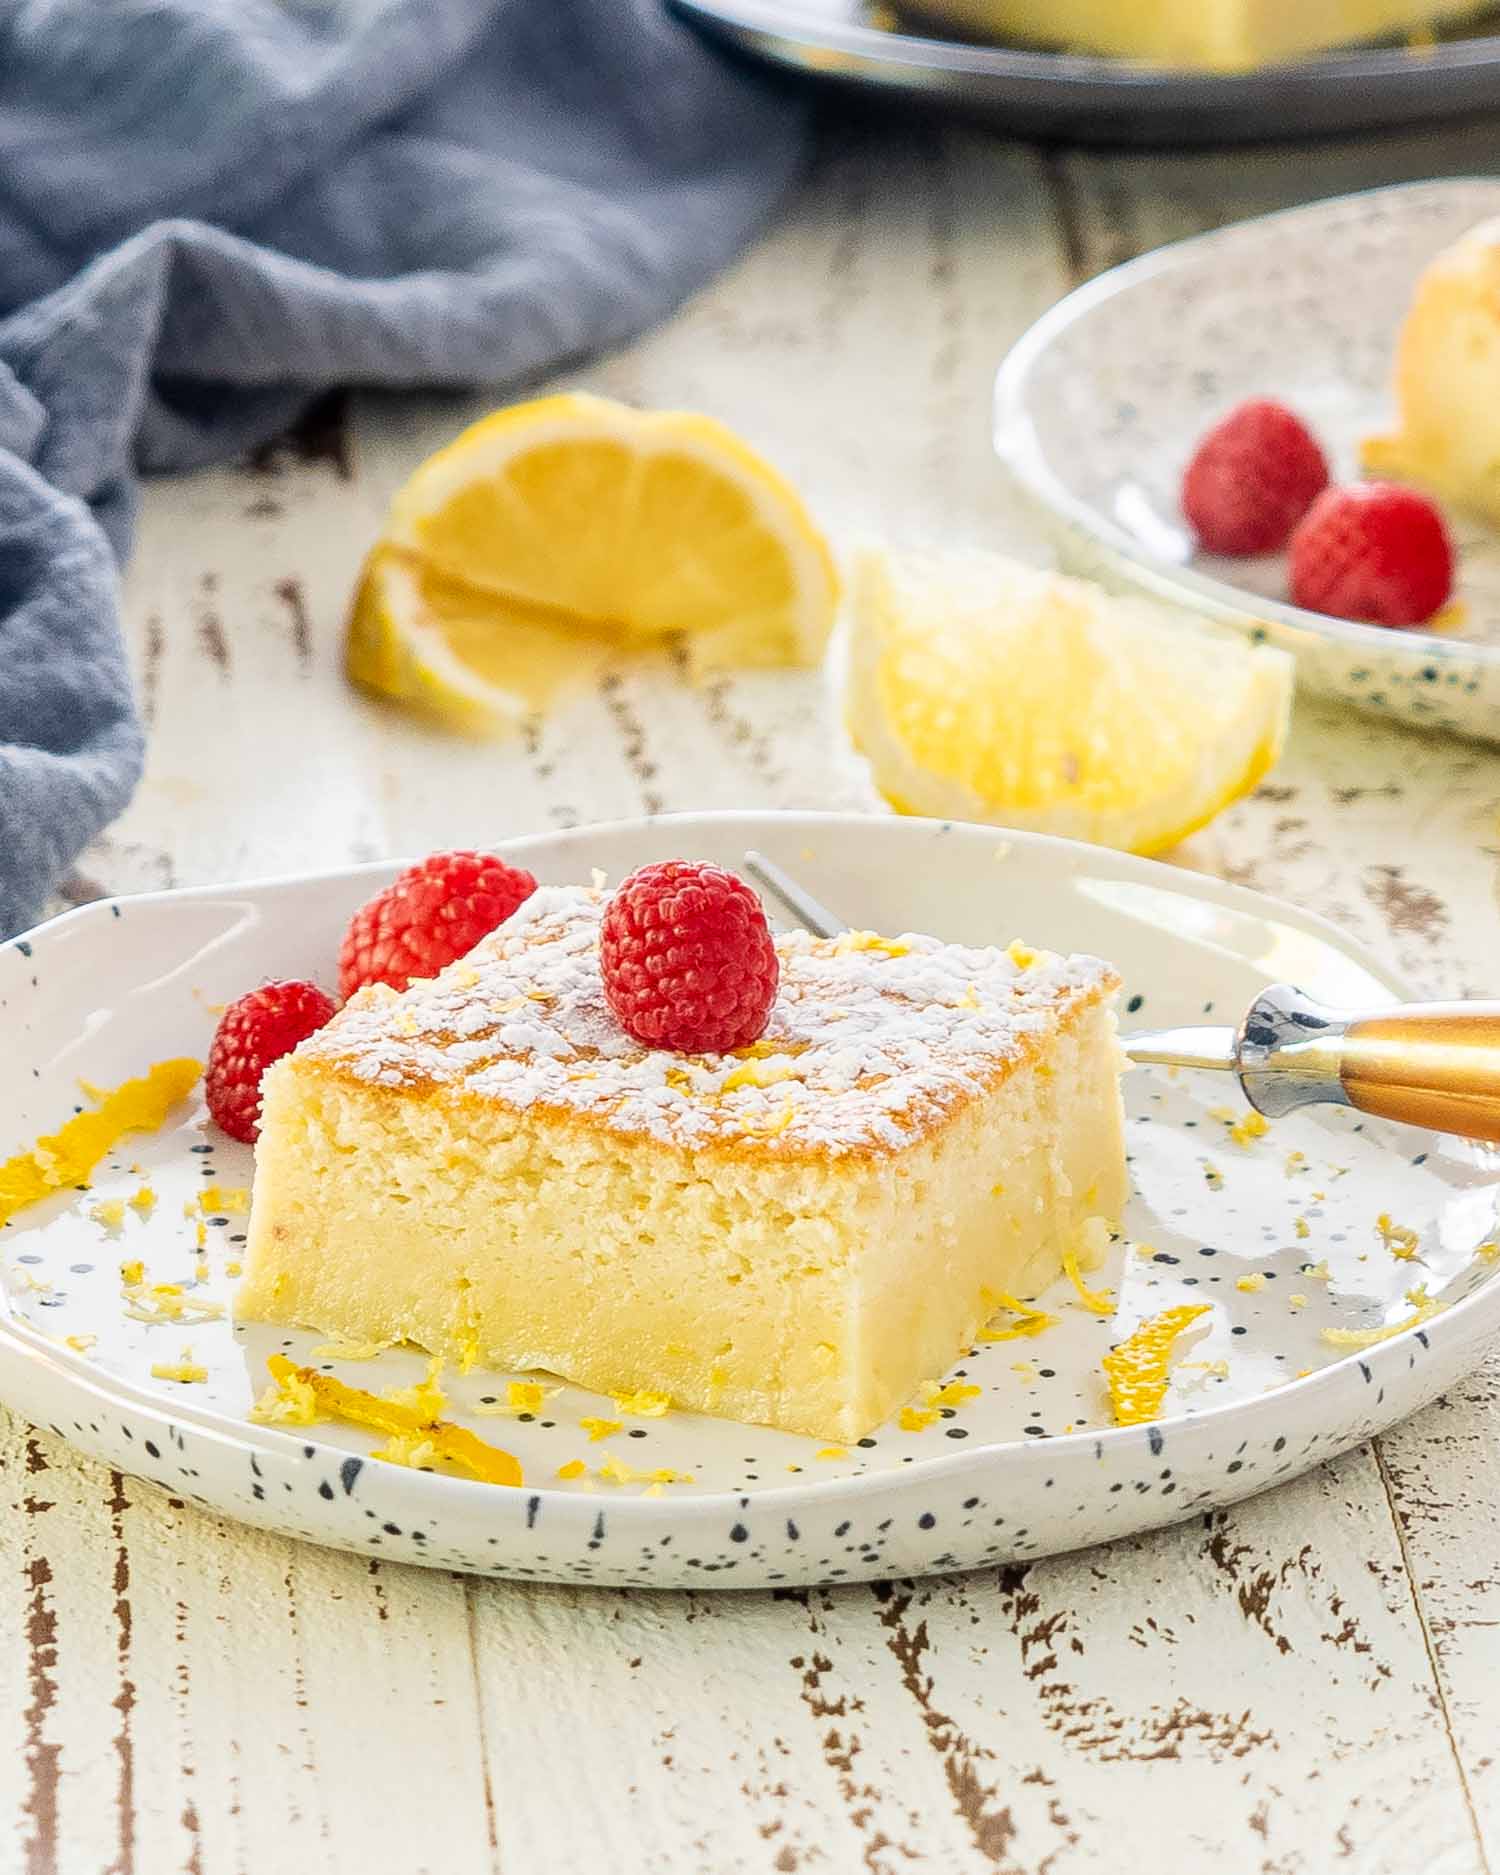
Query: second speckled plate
[[1032, 1464]]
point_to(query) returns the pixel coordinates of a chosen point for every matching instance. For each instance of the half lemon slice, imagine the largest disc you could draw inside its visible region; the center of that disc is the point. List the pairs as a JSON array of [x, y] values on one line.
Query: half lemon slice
[[983, 690], [606, 518]]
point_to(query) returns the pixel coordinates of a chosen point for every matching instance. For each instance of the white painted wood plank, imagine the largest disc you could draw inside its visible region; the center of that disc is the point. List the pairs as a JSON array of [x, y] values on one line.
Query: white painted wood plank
[[1250, 1691]]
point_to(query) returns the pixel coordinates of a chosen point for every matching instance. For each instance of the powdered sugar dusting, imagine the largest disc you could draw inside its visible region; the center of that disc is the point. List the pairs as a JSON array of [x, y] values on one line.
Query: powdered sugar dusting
[[871, 1040]]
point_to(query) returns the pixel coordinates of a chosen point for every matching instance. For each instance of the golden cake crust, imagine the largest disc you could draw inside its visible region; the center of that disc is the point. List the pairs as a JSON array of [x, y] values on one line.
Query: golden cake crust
[[873, 1043]]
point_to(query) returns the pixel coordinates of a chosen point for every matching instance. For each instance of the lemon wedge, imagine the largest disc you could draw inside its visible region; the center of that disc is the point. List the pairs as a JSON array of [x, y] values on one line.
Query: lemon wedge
[[473, 659], [576, 514], [980, 689]]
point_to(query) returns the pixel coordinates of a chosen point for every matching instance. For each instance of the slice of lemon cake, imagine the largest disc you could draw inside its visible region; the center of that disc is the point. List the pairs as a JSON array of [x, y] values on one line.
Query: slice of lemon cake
[[797, 1234]]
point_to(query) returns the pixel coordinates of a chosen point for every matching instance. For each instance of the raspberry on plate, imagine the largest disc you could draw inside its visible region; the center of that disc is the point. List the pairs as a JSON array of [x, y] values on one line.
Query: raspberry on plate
[[1372, 551], [687, 959], [433, 914], [255, 1030], [1252, 478]]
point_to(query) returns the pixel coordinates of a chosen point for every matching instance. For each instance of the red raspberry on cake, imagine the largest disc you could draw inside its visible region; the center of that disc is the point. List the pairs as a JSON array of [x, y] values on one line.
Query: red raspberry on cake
[[1372, 551], [687, 959], [255, 1030], [433, 914], [1252, 478]]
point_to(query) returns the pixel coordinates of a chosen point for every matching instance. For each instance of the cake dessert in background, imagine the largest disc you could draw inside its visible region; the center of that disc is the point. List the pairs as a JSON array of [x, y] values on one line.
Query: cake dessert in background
[[1221, 35], [1447, 379], [796, 1231]]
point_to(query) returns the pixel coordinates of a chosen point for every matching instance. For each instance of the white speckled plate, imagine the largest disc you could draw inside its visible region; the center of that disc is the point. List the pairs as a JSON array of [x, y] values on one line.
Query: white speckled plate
[[1100, 404], [1032, 1464]]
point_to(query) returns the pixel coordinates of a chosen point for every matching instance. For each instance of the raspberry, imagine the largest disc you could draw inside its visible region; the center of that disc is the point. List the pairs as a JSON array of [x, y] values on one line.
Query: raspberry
[[687, 959], [1252, 478], [254, 1031], [1372, 551], [436, 912]]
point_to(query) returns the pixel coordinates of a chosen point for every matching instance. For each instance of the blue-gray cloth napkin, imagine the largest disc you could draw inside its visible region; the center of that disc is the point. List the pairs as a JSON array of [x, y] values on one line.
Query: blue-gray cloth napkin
[[212, 209]]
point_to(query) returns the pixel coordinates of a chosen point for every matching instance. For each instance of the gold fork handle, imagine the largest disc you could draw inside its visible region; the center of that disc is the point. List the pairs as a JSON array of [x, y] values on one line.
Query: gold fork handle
[[1429, 1064]]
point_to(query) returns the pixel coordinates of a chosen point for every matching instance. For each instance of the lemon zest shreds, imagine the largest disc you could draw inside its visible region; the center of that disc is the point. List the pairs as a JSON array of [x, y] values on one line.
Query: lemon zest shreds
[[407, 1411], [1302, 1227], [1138, 1369], [575, 1468], [1213, 1177], [848, 941], [832, 1451], [348, 1350], [918, 1418], [155, 1303], [69, 1155], [80, 1344], [1096, 1301], [1424, 1308], [757, 1074], [185, 1371], [600, 1429], [233, 1199], [1400, 1239], [1029, 1321], [416, 1450], [950, 1393], [109, 1212], [132, 1273], [1488, 1252], [291, 1401], [1249, 1127], [1252, 1282], [643, 1405], [521, 1396], [142, 1200], [616, 1471]]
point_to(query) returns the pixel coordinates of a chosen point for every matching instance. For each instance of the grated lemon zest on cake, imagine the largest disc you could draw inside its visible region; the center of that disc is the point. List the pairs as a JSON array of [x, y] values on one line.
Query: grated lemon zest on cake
[[1249, 1127], [109, 1212], [338, 1350], [969, 999], [1399, 1239], [757, 1074], [69, 1155], [235, 1199], [642, 1405], [1029, 1321], [1424, 1308], [850, 941], [601, 1429], [575, 1468], [186, 1371], [143, 1200], [918, 1418], [1252, 1283], [1096, 1301], [1138, 1369], [400, 1414], [80, 1344], [1022, 955]]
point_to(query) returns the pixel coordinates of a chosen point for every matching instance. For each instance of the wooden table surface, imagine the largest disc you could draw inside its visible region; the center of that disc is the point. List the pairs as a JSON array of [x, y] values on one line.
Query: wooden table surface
[[1305, 1683]]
